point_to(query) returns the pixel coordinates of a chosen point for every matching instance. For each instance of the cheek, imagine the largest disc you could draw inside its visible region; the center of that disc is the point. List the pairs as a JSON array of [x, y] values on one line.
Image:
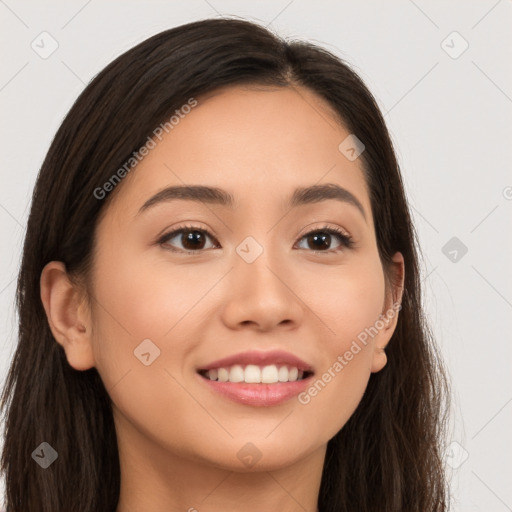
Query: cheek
[[349, 307], [346, 300], [137, 300], [135, 303], [146, 299]]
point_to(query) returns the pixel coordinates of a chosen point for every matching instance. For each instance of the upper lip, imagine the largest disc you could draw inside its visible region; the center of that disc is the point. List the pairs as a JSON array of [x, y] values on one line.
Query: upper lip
[[261, 359]]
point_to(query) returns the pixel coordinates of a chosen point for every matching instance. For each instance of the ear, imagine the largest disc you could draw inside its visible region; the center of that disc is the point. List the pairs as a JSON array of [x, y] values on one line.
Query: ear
[[68, 315], [389, 317]]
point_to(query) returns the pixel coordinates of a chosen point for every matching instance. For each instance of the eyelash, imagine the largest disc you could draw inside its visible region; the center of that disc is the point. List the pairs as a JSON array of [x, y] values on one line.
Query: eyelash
[[345, 240]]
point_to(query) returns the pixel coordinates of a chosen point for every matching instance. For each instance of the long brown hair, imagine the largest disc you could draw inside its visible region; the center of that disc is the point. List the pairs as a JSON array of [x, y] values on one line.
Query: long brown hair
[[388, 456]]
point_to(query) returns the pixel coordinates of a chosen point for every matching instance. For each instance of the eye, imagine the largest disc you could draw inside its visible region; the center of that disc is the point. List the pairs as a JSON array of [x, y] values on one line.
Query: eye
[[322, 237], [193, 239]]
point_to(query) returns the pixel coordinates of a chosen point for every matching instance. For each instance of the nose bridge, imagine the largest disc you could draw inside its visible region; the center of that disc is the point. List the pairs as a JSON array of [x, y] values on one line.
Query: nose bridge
[[259, 265], [260, 287]]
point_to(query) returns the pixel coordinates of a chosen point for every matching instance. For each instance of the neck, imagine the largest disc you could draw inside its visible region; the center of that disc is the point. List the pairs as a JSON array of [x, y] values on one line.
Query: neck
[[156, 480]]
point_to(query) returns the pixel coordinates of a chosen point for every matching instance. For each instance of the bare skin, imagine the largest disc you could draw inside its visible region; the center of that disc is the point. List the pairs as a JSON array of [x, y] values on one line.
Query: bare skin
[[179, 441]]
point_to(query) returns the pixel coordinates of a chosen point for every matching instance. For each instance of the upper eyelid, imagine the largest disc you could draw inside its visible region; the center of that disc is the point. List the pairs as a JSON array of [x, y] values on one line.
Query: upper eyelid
[[342, 233], [207, 231], [326, 227]]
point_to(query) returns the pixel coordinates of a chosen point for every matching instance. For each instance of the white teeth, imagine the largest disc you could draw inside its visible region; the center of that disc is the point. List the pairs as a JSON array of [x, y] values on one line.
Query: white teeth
[[253, 374], [223, 375], [269, 374], [236, 374], [293, 374], [283, 374]]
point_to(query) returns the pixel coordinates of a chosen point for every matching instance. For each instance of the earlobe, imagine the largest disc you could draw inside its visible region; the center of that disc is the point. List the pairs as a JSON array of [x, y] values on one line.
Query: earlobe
[[390, 313], [380, 360], [67, 318], [380, 357]]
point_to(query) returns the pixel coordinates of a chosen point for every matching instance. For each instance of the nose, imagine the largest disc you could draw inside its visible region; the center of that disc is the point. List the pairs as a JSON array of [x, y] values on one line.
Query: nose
[[261, 296]]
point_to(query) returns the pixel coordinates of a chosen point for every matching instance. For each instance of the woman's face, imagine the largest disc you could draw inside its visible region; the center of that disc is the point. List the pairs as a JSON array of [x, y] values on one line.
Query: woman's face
[[258, 282]]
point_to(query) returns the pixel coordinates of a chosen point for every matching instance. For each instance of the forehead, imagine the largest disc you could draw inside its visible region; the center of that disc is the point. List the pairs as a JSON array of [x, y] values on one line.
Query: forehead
[[258, 143]]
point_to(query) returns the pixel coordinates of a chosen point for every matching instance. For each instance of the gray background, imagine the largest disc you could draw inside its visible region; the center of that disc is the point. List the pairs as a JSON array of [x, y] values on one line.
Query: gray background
[[450, 115]]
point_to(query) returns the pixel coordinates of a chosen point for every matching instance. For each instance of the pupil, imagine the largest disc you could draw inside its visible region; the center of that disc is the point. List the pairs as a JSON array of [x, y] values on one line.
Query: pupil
[[191, 238], [323, 237]]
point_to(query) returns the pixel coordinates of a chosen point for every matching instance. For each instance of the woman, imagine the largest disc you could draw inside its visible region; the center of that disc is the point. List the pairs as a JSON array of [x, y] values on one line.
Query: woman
[[219, 299]]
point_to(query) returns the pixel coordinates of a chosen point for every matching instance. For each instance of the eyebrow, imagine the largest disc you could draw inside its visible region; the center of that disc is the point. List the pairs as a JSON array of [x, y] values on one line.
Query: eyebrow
[[213, 195]]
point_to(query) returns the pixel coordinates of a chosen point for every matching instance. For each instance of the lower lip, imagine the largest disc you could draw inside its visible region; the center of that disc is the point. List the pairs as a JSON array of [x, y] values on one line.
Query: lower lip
[[259, 395]]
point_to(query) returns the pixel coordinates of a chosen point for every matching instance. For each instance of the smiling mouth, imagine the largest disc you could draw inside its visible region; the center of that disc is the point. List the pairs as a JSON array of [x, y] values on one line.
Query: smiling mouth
[[254, 374]]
